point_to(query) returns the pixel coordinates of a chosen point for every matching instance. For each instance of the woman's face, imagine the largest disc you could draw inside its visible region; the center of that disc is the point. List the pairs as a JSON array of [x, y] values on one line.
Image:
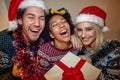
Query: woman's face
[[59, 29], [86, 32]]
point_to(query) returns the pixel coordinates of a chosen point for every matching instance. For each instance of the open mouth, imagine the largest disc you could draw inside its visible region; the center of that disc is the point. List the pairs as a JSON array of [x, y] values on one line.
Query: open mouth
[[35, 31], [64, 33]]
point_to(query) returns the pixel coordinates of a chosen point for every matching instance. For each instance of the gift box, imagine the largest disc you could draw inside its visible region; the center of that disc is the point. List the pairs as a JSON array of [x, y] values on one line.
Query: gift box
[[72, 67]]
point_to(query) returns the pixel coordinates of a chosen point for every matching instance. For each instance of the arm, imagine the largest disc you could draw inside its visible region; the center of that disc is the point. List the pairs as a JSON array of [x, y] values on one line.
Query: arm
[[76, 42], [109, 61], [16, 72], [5, 62], [84, 57], [111, 70]]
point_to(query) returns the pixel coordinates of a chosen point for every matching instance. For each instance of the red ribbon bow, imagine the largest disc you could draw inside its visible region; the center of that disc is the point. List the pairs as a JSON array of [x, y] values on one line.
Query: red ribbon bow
[[72, 73]]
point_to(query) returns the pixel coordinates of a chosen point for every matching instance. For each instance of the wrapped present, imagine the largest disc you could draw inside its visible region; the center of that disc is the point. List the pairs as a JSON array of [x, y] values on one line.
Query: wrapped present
[[72, 67]]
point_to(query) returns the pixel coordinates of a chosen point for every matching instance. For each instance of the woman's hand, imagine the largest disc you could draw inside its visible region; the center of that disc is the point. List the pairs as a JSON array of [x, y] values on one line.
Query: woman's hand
[[76, 42], [84, 57], [16, 72]]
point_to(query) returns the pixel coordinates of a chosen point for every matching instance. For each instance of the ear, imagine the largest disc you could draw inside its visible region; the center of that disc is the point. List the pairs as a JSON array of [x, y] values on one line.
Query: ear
[[19, 21], [51, 35]]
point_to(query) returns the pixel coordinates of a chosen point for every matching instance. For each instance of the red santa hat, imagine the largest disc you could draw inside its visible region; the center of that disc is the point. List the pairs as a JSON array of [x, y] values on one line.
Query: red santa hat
[[93, 14], [21, 4]]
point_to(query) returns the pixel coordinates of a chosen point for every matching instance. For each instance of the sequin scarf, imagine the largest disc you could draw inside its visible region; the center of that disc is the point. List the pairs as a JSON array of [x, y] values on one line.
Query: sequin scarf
[[25, 58]]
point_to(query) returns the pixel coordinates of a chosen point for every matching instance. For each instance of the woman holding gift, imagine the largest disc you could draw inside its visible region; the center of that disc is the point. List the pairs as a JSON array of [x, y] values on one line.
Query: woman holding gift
[[59, 27], [90, 25]]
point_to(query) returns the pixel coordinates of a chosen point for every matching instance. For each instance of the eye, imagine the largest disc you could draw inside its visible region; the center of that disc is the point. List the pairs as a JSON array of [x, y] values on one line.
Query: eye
[[89, 28], [79, 29], [54, 24], [42, 18], [30, 17], [63, 21]]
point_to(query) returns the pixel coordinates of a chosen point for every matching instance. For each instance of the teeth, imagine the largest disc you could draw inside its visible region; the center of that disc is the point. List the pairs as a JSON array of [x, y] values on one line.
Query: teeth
[[63, 31], [35, 30]]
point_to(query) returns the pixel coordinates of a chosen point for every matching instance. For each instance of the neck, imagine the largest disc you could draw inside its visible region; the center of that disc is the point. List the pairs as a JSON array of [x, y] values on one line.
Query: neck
[[90, 46], [62, 45], [28, 41]]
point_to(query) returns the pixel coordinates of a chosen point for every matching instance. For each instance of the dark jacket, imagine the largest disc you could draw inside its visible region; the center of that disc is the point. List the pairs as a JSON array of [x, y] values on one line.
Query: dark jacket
[[107, 58], [6, 53]]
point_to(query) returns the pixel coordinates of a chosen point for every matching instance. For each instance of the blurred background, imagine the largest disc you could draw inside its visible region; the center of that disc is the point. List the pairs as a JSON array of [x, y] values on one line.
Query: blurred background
[[112, 8]]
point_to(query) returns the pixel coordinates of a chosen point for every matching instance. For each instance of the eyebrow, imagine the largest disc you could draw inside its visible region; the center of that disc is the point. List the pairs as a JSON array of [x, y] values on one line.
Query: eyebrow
[[55, 20], [34, 15], [89, 26], [30, 14]]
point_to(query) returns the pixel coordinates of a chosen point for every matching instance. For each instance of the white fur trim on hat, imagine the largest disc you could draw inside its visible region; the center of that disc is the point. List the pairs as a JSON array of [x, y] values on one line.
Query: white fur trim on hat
[[92, 18], [12, 25], [27, 3], [105, 29]]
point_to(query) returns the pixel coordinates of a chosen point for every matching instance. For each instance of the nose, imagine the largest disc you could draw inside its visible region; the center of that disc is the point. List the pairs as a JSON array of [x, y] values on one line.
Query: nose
[[61, 24], [83, 34], [37, 22]]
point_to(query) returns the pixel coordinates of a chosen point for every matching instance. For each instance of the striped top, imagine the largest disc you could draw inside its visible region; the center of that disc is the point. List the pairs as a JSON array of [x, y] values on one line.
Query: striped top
[[48, 55]]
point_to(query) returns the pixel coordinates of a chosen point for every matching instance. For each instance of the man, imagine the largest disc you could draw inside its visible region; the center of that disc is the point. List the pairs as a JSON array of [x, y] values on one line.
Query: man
[[27, 21]]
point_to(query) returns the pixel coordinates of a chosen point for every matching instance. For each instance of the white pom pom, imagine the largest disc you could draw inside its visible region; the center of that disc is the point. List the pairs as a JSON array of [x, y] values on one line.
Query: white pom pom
[[12, 25], [105, 29]]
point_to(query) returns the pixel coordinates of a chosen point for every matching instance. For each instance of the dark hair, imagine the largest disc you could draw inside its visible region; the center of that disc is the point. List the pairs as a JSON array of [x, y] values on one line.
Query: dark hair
[[20, 13], [66, 15]]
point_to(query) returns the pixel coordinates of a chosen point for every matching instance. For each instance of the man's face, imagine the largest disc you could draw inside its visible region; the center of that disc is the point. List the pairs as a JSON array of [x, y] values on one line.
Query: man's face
[[33, 23]]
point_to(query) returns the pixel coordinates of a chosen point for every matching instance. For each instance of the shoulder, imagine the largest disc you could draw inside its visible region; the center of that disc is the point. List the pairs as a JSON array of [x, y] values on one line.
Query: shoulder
[[5, 35], [5, 32], [6, 39], [109, 49], [45, 46], [111, 44]]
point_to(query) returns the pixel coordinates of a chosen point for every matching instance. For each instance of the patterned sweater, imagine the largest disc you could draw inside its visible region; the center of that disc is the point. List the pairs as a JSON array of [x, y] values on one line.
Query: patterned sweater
[[7, 52], [107, 58], [48, 55]]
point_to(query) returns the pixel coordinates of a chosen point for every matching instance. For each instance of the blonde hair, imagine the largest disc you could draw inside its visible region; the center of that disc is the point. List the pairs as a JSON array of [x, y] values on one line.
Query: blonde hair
[[98, 41], [99, 38]]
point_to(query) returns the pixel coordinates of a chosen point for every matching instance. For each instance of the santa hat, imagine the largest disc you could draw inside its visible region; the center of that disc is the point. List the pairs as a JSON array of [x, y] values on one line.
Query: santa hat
[[21, 4], [93, 14]]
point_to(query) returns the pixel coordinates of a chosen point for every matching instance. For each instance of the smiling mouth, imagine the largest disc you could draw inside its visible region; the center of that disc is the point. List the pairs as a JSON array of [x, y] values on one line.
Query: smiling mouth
[[35, 30], [64, 32], [84, 39]]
